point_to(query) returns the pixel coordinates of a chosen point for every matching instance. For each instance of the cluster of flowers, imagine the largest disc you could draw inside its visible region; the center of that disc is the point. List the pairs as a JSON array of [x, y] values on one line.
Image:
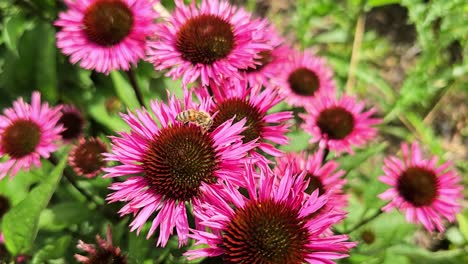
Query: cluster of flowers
[[251, 202]]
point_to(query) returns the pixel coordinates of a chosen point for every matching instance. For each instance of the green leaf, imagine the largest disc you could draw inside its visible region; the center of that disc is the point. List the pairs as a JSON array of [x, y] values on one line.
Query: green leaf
[[20, 224], [14, 28], [419, 255], [375, 3], [124, 90], [462, 219], [17, 189], [46, 70], [427, 134], [299, 140], [97, 109], [53, 250], [139, 247], [63, 215], [454, 235], [350, 162]]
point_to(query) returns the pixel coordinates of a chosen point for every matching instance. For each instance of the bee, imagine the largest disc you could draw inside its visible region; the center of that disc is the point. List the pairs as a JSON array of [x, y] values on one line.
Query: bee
[[199, 118]]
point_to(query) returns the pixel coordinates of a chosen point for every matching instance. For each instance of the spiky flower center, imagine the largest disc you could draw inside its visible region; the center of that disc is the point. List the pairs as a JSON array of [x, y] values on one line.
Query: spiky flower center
[[314, 184], [21, 138], [72, 124], [240, 108], [265, 58], [336, 122], [265, 231], [304, 82], [178, 160], [107, 22], [88, 156], [418, 186], [107, 256], [205, 39], [4, 205]]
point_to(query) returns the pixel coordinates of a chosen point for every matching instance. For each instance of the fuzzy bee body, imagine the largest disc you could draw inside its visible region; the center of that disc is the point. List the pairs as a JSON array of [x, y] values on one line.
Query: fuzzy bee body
[[199, 118]]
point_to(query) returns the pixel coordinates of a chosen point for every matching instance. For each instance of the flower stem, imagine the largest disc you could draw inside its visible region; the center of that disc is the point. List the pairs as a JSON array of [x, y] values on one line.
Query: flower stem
[[69, 176], [136, 88], [364, 221], [358, 36]]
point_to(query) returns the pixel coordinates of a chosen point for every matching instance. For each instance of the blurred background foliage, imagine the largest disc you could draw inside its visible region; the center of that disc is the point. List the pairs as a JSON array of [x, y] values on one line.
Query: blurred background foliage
[[407, 58]]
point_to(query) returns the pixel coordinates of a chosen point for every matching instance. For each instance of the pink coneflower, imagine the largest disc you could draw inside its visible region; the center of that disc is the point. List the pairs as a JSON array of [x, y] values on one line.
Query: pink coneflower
[[237, 100], [104, 252], [86, 157], [270, 63], [325, 178], [274, 225], [105, 35], [339, 124], [72, 121], [212, 42], [304, 77], [27, 133], [170, 162], [425, 191]]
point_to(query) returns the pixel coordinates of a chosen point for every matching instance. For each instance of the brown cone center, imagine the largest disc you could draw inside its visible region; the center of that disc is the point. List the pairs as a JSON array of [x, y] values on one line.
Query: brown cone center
[[178, 160], [107, 256], [72, 124], [418, 186], [304, 82], [21, 138], [336, 122], [265, 232], [314, 183], [88, 156], [205, 39], [265, 58], [107, 22], [240, 108]]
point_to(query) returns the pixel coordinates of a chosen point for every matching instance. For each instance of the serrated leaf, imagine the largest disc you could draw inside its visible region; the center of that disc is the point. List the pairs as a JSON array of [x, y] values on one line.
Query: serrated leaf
[[20, 224]]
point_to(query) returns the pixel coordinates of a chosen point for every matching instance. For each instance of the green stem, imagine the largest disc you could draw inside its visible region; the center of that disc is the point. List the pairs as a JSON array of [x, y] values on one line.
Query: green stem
[[364, 222], [70, 177], [136, 88]]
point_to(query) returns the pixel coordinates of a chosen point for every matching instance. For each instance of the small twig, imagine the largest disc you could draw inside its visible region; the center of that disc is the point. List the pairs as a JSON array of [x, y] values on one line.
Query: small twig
[[363, 222], [437, 103], [69, 176], [136, 88], [358, 35]]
